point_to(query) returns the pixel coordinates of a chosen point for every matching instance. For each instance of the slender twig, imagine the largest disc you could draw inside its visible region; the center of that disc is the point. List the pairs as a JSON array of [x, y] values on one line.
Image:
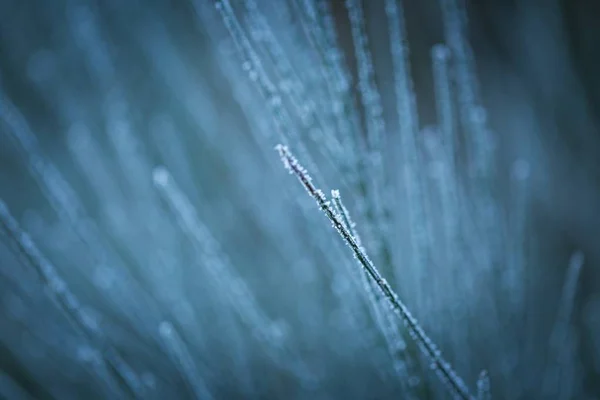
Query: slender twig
[[442, 367], [483, 386], [70, 305], [384, 317]]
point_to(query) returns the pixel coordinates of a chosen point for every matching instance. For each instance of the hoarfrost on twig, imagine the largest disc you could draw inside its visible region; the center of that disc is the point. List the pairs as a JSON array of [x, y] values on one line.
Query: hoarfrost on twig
[[429, 349]]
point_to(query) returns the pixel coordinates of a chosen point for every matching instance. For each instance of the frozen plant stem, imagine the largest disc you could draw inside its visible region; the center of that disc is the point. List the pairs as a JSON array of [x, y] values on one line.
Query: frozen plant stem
[[69, 304], [442, 367], [222, 275], [383, 317], [185, 361], [483, 386]]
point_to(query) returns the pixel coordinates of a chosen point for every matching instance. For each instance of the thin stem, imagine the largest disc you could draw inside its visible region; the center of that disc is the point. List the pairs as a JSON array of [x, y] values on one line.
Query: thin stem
[[441, 366]]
